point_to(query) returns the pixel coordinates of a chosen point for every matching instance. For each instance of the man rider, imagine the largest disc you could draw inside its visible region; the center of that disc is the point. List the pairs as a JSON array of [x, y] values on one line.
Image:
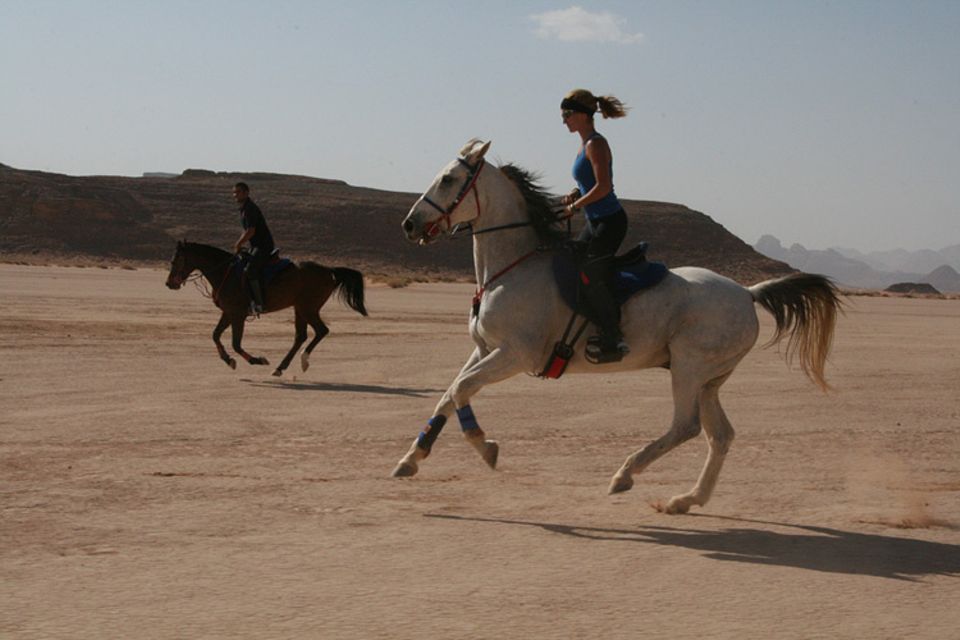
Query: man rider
[[256, 232]]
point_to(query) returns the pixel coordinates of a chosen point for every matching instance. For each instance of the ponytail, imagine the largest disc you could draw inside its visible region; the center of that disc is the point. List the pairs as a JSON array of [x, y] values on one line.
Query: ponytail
[[611, 107], [584, 101]]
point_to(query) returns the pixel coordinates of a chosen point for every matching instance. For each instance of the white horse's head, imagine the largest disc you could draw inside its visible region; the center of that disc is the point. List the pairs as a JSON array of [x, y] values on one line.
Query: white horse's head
[[445, 204]]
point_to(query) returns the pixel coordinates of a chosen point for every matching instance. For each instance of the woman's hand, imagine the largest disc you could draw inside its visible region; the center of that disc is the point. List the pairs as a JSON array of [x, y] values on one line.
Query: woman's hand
[[570, 198]]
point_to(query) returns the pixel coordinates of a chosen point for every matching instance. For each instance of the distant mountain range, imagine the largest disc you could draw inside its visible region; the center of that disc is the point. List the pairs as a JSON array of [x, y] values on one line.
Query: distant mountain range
[[55, 217], [874, 270]]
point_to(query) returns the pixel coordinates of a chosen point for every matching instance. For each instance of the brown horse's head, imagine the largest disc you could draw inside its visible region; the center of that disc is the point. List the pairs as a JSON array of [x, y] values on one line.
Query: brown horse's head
[[178, 268]]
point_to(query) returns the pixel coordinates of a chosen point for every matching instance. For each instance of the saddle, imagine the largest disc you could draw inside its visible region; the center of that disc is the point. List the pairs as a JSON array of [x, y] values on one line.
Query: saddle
[[632, 273], [274, 266]]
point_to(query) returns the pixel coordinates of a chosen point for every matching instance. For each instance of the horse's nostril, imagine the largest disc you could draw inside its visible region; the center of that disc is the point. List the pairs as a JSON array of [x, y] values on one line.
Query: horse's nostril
[[408, 226]]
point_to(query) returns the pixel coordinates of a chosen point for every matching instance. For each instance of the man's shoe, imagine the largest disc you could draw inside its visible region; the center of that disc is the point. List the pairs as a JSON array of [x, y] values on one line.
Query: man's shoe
[[256, 297]]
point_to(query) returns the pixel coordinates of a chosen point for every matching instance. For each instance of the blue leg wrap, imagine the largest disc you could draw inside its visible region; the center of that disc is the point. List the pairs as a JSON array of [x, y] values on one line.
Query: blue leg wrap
[[427, 437], [468, 422]]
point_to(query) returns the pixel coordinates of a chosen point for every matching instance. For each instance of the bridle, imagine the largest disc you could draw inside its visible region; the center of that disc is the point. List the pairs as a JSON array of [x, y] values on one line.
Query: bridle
[[179, 280], [433, 229], [176, 270]]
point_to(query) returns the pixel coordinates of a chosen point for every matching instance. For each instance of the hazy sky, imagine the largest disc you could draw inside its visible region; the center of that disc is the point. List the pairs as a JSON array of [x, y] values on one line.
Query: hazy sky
[[824, 123]]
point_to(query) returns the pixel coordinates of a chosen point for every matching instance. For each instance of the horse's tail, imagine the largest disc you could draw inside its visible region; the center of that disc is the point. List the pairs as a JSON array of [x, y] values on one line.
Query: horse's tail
[[805, 308], [350, 283]]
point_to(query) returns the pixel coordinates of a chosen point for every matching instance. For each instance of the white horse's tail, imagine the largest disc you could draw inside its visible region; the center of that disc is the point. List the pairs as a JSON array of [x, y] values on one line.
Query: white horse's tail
[[805, 308]]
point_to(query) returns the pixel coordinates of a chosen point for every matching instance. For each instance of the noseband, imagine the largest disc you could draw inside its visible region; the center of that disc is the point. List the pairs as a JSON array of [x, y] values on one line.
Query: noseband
[[433, 229]]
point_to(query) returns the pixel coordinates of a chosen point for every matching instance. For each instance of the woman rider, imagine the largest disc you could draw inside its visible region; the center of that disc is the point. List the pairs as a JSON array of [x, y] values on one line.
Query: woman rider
[[606, 221]]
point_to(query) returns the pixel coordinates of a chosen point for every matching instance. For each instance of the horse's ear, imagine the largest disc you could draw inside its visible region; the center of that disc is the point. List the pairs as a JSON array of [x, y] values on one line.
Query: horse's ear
[[476, 154]]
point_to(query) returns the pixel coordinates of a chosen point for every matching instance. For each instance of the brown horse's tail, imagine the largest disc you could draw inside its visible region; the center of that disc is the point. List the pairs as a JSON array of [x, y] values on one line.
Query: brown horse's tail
[[805, 308], [350, 283]]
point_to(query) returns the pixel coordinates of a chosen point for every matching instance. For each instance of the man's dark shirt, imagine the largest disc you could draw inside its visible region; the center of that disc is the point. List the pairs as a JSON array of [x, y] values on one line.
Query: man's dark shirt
[[251, 216]]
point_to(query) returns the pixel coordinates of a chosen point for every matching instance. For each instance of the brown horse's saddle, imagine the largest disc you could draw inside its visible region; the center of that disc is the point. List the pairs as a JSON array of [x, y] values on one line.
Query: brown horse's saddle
[[274, 266]]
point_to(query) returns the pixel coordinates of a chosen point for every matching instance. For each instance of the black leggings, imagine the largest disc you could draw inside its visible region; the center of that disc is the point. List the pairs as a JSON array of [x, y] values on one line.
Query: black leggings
[[604, 236]]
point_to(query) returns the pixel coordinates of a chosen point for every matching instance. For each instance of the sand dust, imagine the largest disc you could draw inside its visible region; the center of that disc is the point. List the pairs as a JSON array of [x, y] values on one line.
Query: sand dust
[[148, 491]]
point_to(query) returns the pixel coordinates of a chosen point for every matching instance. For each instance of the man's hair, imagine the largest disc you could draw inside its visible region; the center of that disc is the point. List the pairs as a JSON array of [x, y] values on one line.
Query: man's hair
[[242, 186]]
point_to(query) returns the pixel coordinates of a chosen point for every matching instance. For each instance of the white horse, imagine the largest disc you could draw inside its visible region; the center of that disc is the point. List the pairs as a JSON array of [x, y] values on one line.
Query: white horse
[[696, 323]]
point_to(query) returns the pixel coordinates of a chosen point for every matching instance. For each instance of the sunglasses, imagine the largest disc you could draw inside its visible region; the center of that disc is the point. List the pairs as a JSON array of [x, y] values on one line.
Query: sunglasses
[[566, 113]]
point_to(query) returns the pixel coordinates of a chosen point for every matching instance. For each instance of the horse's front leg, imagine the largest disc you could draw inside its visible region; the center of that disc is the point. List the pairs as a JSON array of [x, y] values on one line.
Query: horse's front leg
[[217, 332], [237, 334], [479, 371], [421, 446]]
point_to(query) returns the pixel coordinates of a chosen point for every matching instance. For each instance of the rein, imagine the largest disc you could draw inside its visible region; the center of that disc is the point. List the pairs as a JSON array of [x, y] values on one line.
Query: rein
[[512, 225], [198, 279], [478, 296], [433, 228], [215, 296]]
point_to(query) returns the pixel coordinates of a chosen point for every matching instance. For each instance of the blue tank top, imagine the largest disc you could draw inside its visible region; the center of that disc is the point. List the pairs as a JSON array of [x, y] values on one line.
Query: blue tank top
[[583, 174]]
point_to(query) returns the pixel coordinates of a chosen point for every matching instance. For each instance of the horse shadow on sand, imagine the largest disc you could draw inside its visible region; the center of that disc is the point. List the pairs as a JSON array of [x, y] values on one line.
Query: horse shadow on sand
[[804, 547], [336, 386]]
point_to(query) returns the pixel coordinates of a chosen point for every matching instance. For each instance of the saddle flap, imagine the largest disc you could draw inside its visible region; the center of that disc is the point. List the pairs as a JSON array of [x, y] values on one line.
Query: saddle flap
[[633, 256], [632, 273]]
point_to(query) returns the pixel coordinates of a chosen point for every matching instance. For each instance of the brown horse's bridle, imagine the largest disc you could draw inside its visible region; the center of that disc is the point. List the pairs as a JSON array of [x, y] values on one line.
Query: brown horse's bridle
[[178, 279], [433, 229]]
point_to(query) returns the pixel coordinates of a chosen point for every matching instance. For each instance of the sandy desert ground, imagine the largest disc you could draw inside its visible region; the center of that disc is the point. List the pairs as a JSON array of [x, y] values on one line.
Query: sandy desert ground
[[149, 491]]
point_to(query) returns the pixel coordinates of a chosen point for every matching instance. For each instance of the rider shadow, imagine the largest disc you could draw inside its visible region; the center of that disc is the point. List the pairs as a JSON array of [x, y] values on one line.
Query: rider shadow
[[816, 549], [335, 386]]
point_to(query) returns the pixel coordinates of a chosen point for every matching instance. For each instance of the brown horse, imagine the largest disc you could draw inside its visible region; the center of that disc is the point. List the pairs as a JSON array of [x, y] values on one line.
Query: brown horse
[[305, 287]]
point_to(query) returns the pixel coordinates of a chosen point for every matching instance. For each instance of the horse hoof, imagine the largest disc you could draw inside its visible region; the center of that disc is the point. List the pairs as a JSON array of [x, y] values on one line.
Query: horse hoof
[[232, 363], [259, 361], [491, 451], [405, 470], [620, 484], [277, 373], [676, 505], [304, 362]]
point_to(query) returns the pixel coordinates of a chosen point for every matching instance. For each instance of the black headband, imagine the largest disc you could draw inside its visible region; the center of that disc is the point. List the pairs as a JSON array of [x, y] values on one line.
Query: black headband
[[573, 105]]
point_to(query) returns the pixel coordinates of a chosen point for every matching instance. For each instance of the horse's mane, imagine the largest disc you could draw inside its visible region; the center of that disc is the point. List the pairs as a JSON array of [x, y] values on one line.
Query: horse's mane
[[543, 215], [207, 250]]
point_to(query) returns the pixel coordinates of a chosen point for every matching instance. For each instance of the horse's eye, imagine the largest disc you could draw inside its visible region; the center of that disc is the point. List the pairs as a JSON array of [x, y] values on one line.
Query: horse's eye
[[446, 179]]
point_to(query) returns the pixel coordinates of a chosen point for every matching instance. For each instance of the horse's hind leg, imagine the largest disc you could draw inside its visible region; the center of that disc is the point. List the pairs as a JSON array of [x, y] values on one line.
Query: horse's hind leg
[[686, 425], [217, 332], [300, 325], [320, 331], [719, 434]]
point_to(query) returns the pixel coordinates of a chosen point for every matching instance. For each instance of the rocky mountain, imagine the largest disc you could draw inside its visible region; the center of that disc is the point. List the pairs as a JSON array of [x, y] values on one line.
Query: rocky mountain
[[944, 278], [923, 261], [139, 220], [843, 267]]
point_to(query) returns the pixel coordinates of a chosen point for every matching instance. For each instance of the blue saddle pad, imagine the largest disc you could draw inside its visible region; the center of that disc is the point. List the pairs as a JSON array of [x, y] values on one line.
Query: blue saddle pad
[[269, 271], [628, 279], [273, 269]]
